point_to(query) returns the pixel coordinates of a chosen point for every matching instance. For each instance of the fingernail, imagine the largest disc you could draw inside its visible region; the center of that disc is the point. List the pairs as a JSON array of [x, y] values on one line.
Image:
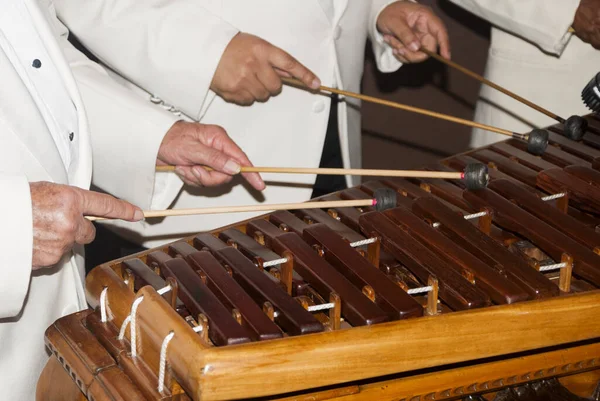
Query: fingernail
[[414, 46], [138, 215], [179, 171], [315, 84], [232, 167], [386, 39]]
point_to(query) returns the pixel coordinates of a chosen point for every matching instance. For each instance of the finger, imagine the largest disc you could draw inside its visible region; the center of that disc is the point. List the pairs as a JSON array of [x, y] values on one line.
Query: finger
[[257, 89], [86, 232], [400, 55], [103, 205], [210, 178], [215, 157], [224, 143], [440, 33], [183, 173], [405, 34], [283, 61], [270, 80]]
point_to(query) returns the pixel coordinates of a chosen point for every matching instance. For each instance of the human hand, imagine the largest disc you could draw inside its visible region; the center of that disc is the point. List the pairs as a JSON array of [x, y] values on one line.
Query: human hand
[[408, 27], [191, 146], [587, 22], [59, 222], [251, 69]]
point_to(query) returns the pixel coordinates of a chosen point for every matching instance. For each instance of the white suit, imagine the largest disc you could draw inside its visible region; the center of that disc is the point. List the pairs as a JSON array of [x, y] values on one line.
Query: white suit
[[32, 301], [172, 51], [533, 55]]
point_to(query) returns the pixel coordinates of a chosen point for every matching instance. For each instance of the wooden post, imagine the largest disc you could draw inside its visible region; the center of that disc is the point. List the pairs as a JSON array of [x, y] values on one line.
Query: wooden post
[[174, 291], [287, 269], [335, 313], [203, 322], [432, 296], [129, 278], [374, 250], [564, 280], [485, 222], [563, 203], [369, 292]]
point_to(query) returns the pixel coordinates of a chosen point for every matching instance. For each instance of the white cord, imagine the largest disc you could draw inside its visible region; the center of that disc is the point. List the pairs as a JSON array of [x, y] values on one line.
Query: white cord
[[275, 262], [363, 242], [123, 327], [163, 361], [103, 305], [133, 333], [164, 290], [419, 290], [555, 196], [553, 267], [315, 308]]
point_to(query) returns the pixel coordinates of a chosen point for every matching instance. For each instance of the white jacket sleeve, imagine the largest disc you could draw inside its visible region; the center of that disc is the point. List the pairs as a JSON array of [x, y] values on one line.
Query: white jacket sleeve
[[126, 133], [385, 59], [16, 244], [542, 22], [153, 43]]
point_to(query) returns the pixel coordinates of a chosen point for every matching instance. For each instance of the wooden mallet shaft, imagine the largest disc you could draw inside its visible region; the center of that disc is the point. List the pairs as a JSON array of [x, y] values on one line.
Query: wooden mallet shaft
[[251, 208], [441, 116], [447, 175], [489, 83]]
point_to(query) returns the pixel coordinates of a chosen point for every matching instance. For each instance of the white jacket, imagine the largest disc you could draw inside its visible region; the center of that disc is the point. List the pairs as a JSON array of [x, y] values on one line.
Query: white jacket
[[171, 49], [30, 302], [533, 55]]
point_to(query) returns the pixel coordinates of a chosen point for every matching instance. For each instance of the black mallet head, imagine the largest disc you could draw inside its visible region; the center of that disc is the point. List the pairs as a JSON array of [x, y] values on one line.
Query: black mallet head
[[384, 198], [476, 176], [591, 94], [537, 141], [575, 127]]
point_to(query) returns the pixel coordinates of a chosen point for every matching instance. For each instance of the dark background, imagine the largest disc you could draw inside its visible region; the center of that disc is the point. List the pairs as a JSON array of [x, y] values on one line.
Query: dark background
[[395, 139]]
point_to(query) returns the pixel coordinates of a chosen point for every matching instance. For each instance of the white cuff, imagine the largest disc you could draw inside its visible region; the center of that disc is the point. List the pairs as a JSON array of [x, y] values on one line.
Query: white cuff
[[16, 244]]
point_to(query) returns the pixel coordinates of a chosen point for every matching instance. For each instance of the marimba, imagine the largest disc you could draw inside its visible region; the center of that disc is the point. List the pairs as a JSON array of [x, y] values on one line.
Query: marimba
[[451, 294]]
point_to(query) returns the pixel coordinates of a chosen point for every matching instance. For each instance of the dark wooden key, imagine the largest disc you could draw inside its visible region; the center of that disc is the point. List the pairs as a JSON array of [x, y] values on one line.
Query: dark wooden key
[[260, 254], [586, 174], [551, 241], [347, 215], [507, 166], [576, 148], [406, 188], [292, 317], [584, 195], [395, 302], [548, 213], [487, 278], [449, 193], [454, 289], [286, 221], [229, 292], [485, 248], [319, 216], [525, 158], [592, 140], [357, 309], [198, 299], [553, 155], [144, 275]]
